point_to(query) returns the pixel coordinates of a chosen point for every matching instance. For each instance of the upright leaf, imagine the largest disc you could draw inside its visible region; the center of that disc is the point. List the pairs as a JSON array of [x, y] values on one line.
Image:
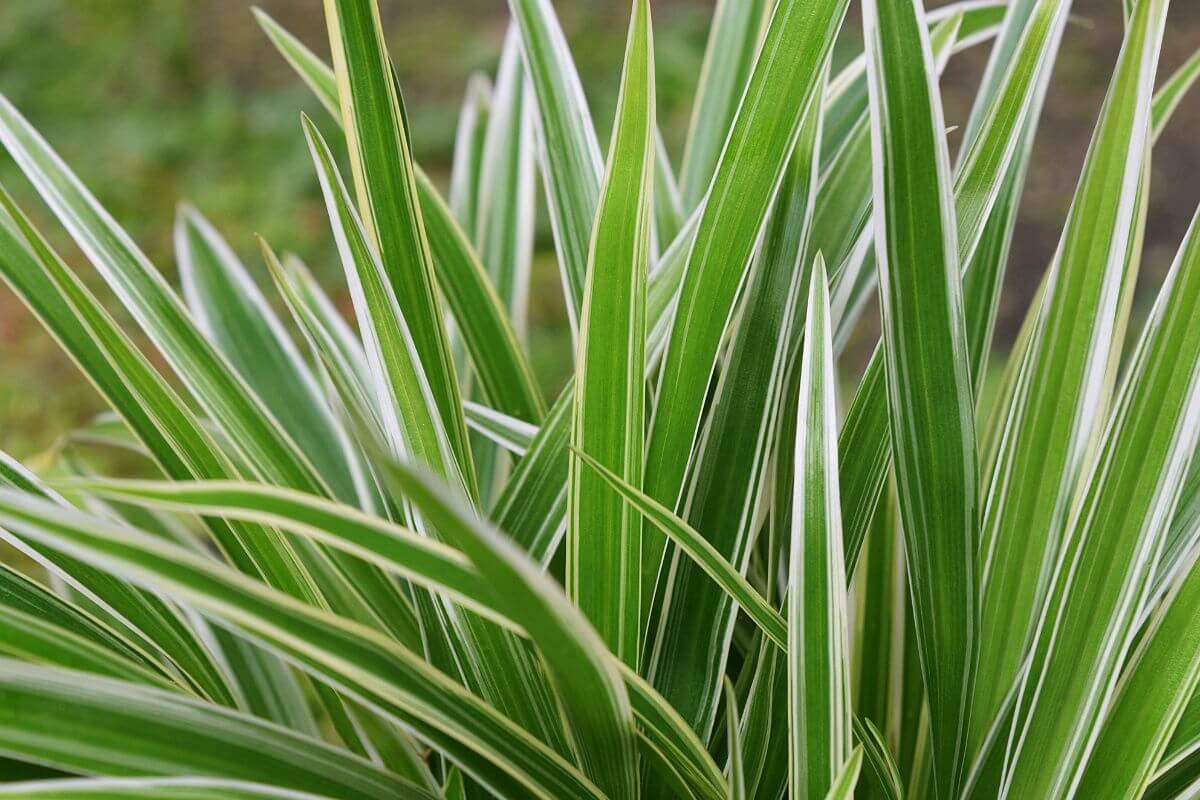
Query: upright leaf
[[1063, 386], [733, 38], [818, 647], [930, 398], [785, 79], [604, 538], [385, 180], [1115, 534]]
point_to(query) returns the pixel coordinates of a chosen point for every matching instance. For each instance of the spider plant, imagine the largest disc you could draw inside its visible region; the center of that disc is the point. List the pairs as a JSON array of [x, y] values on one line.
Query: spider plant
[[368, 558]]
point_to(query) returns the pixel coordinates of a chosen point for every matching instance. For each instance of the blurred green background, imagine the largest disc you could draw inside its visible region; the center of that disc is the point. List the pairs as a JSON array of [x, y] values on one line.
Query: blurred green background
[[154, 102]]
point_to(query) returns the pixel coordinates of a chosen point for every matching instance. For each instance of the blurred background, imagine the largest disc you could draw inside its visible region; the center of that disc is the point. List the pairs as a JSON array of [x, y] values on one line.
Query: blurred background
[[154, 102]]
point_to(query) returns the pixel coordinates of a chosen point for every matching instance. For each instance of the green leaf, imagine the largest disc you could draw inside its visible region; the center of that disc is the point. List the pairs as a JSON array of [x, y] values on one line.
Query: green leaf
[[818, 647], [143, 291], [401, 390], [384, 675], [116, 728], [386, 186], [412, 427], [928, 376], [400, 551], [1151, 699], [587, 683], [233, 313], [693, 622], [150, 788], [1171, 93], [1062, 389], [504, 230], [571, 163], [604, 536], [737, 770], [847, 779], [37, 641], [505, 376], [786, 78], [864, 444], [512, 434], [733, 38], [699, 550], [473, 121], [1116, 531], [878, 759]]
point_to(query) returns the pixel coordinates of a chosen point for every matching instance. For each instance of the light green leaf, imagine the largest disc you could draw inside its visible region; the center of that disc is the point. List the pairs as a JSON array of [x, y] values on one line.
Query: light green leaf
[[225, 397], [233, 313], [116, 728], [928, 376], [604, 536], [1065, 380], [847, 779], [386, 186], [733, 39], [819, 720], [594, 698], [376, 671], [1155, 688], [699, 550], [151, 789], [571, 163], [737, 769], [1116, 531], [786, 78], [505, 376]]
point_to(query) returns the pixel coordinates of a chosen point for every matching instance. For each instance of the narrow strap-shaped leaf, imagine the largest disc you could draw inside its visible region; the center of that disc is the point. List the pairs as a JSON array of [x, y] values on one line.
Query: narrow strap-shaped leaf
[[593, 696], [1171, 93], [847, 779], [786, 77], [21, 594], [1115, 534], [928, 378], [234, 314], [148, 404], [604, 536], [693, 619], [151, 789], [403, 552], [512, 434], [864, 442], [878, 759], [388, 545], [733, 38], [37, 641], [700, 551], [504, 373], [473, 122], [379, 672], [504, 229], [737, 767], [385, 181], [1063, 387], [1154, 692], [818, 647], [503, 232], [412, 428], [402, 390], [572, 166], [116, 728], [668, 206], [144, 292]]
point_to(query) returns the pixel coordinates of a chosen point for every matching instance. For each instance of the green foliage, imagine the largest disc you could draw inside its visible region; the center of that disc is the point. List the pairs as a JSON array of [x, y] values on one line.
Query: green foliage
[[372, 560]]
